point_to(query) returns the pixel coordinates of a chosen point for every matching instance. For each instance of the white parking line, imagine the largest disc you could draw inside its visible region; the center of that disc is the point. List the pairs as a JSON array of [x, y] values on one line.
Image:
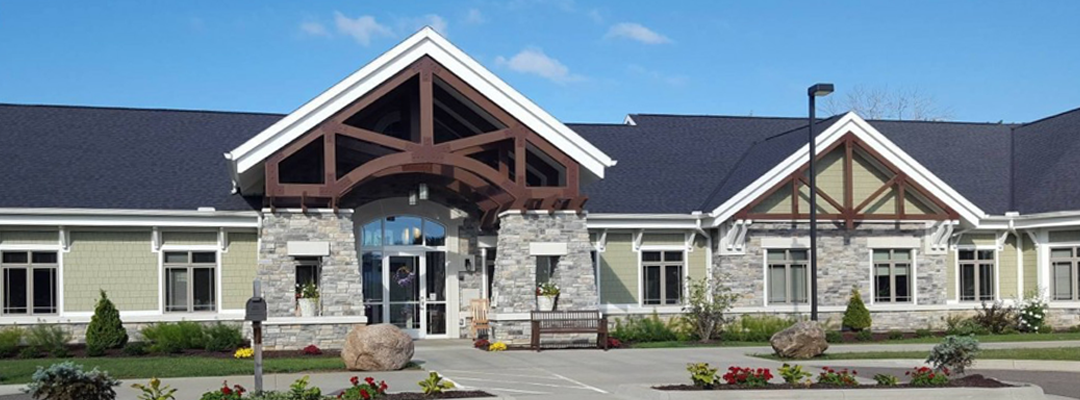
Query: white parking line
[[527, 383], [499, 374], [593, 388], [515, 391]]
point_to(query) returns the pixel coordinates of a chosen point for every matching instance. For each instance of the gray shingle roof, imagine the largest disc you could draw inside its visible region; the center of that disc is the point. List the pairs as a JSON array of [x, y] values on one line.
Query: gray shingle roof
[[122, 158]]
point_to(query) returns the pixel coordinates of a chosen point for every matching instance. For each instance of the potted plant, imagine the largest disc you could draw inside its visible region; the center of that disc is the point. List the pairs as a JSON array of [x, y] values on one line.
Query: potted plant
[[307, 296], [545, 296]]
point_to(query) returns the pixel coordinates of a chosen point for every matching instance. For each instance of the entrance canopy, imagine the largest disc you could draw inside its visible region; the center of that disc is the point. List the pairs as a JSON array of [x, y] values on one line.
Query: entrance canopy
[[422, 108]]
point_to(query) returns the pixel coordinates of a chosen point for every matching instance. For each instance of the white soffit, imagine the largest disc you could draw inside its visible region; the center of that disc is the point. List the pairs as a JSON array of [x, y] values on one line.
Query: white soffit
[[851, 122], [426, 42]]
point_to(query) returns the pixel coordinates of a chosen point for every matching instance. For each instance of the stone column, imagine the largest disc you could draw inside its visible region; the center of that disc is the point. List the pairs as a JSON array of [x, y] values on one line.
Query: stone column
[[340, 282], [514, 288]]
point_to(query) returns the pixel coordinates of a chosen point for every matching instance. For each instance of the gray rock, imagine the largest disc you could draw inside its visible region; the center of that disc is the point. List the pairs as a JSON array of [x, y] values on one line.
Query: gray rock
[[803, 340], [381, 347]]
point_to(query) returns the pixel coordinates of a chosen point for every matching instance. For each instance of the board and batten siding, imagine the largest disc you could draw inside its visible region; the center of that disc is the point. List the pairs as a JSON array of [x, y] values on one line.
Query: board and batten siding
[[238, 267], [121, 263], [619, 263]]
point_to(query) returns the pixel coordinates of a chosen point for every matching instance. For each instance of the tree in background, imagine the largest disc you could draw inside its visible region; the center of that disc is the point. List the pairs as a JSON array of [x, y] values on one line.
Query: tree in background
[[882, 103], [106, 331]]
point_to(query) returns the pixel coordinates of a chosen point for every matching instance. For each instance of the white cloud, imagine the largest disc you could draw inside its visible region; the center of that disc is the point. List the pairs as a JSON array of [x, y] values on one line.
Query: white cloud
[[410, 25], [362, 28], [534, 61], [633, 31], [475, 17], [314, 28], [670, 80], [595, 15]]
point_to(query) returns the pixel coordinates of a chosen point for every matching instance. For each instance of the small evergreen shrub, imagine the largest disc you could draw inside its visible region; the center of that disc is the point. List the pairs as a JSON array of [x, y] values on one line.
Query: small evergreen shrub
[[68, 381], [51, 339], [856, 317], [94, 350], [174, 337], [958, 325], [954, 353], [834, 337], [10, 338], [864, 336], [136, 349], [223, 337], [105, 331], [923, 333], [895, 335]]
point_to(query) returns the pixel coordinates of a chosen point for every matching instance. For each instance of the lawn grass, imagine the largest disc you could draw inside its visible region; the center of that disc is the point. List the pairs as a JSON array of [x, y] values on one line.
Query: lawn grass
[[14, 371], [1046, 354], [1009, 337]]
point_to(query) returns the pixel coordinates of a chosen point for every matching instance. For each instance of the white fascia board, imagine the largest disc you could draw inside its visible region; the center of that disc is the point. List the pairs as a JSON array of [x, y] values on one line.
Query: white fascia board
[[642, 221], [120, 217], [1054, 219], [425, 42], [851, 122]]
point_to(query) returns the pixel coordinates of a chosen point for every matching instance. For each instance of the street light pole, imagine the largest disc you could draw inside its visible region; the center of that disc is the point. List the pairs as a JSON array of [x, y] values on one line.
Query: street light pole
[[820, 89]]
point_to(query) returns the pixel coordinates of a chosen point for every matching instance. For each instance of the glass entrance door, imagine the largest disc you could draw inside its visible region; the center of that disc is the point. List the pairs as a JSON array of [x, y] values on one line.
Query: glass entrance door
[[417, 292]]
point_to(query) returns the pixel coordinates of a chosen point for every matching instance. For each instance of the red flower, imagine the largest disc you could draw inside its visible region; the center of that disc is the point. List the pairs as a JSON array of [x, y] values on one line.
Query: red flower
[[364, 394], [355, 380], [382, 386], [226, 391], [370, 381]]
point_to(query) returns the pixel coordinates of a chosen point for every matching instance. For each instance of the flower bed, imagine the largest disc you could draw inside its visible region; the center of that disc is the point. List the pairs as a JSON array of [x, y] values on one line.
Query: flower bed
[[704, 377], [970, 381]]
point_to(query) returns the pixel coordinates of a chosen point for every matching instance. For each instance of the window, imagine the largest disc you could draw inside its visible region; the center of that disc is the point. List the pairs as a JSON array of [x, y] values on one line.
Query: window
[[307, 271], [545, 268], [892, 276], [663, 272], [976, 275], [190, 281], [1065, 279], [372, 271], [29, 282], [787, 276], [403, 231]]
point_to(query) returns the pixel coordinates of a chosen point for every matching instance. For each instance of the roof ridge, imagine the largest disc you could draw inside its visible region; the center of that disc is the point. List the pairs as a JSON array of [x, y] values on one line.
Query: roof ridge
[[713, 116], [1050, 117], [916, 121], [93, 107], [599, 123]]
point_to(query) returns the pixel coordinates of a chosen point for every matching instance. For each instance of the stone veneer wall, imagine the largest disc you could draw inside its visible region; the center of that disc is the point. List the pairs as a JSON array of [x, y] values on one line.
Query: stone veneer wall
[[341, 286], [843, 262], [468, 247], [515, 270]]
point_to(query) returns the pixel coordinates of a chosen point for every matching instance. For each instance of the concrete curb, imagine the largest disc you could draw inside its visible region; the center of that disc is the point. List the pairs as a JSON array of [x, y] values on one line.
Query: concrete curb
[[1026, 392], [1008, 365]]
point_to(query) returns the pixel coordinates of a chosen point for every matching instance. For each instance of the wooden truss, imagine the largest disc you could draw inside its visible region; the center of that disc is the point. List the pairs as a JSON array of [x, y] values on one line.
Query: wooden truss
[[848, 210], [493, 189]]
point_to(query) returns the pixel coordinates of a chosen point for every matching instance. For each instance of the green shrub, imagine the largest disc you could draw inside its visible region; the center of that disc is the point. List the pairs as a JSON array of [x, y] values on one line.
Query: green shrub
[[434, 384], [895, 335], [136, 349], [223, 337], [707, 306], [834, 337], [856, 317], [864, 336], [954, 353], [29, 352], [751, 328], [49, 338], [793, 374], [10, 338], [94, 350], [1031, 314], [68, 381], [643, 329], [701, 375], [923, 333], [105, 331], [886, 380], [996, 318], [174, 337], [155, 391], [958, 325]]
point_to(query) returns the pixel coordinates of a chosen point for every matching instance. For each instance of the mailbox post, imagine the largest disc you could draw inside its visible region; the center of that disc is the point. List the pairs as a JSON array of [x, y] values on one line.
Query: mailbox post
[[255, 311]]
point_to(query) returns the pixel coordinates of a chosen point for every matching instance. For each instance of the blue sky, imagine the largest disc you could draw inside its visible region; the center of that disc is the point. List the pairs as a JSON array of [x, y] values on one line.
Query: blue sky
[[582, 61]]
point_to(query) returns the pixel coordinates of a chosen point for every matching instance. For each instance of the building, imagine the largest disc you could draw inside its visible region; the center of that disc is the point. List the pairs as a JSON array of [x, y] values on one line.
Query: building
[[423, 181]]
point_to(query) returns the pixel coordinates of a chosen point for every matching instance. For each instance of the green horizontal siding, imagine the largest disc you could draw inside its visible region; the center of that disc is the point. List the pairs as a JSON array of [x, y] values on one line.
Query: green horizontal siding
[[1008, 269], [30, 237], [238, 270], [184, 238], [1031, 265], [121, 263], [663, 239]]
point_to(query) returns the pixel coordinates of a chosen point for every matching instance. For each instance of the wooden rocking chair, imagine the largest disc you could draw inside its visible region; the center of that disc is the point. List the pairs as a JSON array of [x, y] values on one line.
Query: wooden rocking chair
[[478, 309]]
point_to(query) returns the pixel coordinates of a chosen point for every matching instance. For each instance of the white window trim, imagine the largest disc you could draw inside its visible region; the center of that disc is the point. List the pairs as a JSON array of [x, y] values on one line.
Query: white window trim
[[59, 249], [765, 278], [207, 248], [641, 272], [997, 270], [914, 276], [1050, 271]]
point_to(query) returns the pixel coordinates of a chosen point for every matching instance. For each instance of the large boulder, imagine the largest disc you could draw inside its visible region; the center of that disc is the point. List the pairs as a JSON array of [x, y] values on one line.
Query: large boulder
[[381, 347], [803, 340]]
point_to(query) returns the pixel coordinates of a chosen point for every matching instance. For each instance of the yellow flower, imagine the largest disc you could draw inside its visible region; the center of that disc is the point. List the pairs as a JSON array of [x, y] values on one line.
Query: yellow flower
[[497, 346], [244, 352]]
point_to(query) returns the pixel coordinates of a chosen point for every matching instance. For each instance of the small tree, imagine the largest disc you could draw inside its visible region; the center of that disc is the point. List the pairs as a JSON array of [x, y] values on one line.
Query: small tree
[[856, 317], [955, 353], [706, 306], [106, 331]]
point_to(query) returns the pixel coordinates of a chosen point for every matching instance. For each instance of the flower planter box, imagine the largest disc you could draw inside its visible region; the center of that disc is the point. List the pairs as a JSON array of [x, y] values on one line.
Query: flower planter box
[[545, 303]]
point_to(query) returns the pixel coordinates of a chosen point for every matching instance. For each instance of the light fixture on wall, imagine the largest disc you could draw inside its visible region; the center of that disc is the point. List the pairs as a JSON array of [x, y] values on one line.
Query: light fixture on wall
[[468, 265], [412, 198], [423, 191]]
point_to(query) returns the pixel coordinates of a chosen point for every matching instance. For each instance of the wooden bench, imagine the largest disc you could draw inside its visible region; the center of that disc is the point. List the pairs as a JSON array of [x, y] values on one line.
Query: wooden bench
[[569, 322]]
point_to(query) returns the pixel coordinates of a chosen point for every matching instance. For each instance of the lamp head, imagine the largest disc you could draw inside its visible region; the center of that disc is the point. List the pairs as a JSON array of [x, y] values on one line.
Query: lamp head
[[820, 90]]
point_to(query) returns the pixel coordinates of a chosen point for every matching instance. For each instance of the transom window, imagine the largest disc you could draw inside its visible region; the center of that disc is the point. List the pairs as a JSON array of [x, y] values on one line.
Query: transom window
[[29, 282], [403, 231], [190, 281], [787, 276], [976, 275], [663, 275], [1065, 273], [892, 276]]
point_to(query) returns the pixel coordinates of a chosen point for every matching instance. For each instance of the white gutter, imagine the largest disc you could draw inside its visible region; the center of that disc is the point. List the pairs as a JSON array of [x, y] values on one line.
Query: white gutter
[[127, 217]]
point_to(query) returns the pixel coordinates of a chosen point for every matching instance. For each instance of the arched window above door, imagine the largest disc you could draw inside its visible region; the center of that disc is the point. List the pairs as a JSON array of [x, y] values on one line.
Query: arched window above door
[[403, 230]]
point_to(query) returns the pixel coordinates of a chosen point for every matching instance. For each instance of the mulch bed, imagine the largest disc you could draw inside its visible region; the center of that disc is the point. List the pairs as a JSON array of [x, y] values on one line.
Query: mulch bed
[[976, 380], [453, 394], [79, 351]]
